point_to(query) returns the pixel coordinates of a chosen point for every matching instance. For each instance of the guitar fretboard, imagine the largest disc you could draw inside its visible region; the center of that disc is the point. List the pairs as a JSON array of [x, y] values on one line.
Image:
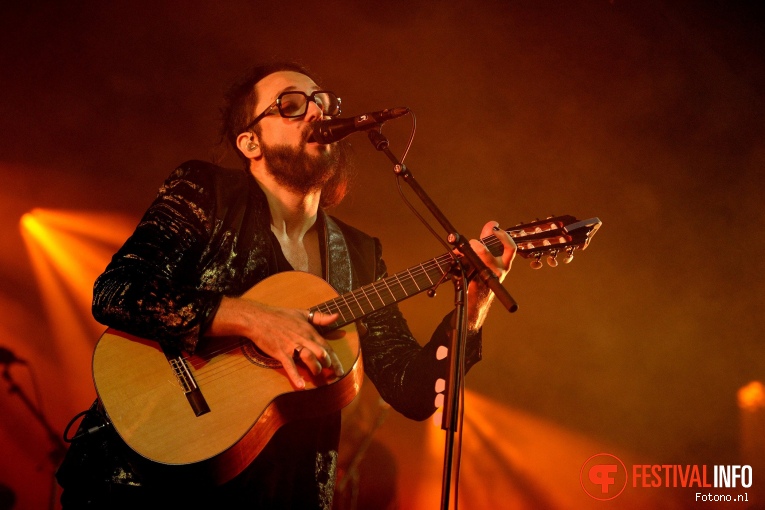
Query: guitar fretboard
[[533, 239], [354, 305]]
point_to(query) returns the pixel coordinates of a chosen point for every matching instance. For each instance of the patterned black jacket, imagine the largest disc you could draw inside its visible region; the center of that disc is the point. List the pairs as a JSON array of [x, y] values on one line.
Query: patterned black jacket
[[207, 235]]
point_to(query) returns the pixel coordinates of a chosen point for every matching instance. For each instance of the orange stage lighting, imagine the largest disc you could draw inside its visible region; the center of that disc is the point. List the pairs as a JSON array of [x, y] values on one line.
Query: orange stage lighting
[[68, 250], [751, 402], [510, 459], [108, 228], [752, 397]]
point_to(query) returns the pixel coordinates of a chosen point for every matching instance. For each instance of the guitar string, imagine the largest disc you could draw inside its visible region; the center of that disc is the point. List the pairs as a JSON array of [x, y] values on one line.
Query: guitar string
[[404, 281], [205, 374], [218, 369], [422, 269], [231, 364], [342, 303]]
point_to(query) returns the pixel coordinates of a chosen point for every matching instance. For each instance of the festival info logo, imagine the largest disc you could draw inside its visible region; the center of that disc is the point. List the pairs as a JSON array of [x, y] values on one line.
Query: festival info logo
[[603, 476]]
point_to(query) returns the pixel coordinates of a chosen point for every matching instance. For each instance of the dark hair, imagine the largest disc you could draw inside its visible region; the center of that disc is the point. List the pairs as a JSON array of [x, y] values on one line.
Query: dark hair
[[238, 112], [241, 98]]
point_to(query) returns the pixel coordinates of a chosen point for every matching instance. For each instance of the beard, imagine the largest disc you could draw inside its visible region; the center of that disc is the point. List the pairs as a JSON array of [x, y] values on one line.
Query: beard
[[299, 171]]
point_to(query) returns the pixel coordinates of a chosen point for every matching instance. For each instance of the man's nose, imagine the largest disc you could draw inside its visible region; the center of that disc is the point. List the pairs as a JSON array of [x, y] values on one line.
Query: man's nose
[[313, 112]]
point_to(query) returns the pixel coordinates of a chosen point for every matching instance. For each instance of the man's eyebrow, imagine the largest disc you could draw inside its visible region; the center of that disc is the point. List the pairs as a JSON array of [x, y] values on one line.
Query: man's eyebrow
[[295, 87], [285, 89]]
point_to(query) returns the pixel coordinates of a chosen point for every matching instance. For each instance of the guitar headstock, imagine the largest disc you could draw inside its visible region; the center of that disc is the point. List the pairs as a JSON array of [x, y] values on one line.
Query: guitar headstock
[[553, 236]]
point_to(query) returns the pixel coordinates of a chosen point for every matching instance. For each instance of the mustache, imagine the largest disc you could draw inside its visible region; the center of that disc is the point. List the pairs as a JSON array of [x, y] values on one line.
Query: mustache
[[307, 134]]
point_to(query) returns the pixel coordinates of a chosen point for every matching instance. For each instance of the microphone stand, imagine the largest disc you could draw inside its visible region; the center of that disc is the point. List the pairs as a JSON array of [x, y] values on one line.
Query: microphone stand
[[451, 410]]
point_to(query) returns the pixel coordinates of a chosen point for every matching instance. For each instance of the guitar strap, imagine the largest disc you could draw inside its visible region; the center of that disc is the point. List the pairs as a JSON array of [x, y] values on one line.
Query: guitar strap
[[338, 270]]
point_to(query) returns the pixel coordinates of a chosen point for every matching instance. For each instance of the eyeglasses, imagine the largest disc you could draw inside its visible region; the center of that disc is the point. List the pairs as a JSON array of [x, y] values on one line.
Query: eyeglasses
[[294, 104]]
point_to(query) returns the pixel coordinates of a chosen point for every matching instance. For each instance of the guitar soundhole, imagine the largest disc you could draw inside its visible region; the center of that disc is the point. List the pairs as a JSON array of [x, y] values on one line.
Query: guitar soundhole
[[258, 357]]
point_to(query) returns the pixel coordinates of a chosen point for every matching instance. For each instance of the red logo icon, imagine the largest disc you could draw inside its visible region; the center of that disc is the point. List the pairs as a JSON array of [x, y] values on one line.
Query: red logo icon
[[603, 476]]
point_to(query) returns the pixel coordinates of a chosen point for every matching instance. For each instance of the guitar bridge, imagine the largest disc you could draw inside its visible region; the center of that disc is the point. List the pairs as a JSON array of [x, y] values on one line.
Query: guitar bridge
[[189, 385]]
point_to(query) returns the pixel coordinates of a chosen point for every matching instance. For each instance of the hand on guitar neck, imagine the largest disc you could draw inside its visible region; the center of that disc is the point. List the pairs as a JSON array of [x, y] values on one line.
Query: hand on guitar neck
[[286, 334], [479, 295]]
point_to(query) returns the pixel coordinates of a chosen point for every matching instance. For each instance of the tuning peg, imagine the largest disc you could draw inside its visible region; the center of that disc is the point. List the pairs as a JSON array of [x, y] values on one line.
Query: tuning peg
[[552, 261], [569, 255], [536, 264]]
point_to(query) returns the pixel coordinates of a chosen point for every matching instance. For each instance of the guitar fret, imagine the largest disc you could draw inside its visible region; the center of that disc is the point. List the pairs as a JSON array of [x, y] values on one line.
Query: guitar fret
[[372, 306], [408, 281], [439, 266], [398, 280], [374, 287], [385, 281], [329, 310], [409, 290], [350, 304], [340, 309], [435, 272], [416, 278], [447, 260], [426, 274], [355, 295], [321, 307], [411, 277], [359, 297], [425, 280]]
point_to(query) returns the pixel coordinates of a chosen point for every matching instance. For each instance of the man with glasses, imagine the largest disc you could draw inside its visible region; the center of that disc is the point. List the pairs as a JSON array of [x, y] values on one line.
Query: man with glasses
[[212, 234]]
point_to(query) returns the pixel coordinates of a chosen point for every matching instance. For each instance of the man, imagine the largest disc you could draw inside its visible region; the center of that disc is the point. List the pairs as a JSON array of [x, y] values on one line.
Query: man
[[212, 234]]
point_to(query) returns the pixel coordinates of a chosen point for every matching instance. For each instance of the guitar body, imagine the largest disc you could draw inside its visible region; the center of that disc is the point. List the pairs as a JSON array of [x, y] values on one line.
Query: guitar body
[[245, 398]]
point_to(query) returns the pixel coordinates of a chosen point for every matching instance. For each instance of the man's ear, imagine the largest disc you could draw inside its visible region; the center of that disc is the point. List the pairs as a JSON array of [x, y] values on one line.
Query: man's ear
[[248, 145]]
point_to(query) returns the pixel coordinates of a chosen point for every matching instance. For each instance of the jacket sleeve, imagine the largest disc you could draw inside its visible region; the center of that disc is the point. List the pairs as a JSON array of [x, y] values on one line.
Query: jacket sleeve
[[149, 288], [403, 371]]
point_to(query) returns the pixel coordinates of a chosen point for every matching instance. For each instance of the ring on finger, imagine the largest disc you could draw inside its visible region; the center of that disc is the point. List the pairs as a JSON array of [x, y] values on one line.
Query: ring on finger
[[296, 352], [310, 316]]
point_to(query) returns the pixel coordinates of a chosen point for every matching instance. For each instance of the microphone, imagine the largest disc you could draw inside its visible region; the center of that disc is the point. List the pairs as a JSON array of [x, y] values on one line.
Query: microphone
[[7, 357], [333, 130]]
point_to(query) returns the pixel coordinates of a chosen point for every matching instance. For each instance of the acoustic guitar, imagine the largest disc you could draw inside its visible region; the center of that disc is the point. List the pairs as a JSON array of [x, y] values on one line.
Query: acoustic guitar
[[206, 416]]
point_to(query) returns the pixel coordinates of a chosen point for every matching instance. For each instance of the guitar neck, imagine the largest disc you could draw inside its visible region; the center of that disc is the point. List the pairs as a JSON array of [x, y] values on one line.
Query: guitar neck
[[532, 240], [359, 303]]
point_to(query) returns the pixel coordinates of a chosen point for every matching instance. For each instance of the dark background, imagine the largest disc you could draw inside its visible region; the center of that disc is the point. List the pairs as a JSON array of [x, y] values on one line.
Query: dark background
[[648, 115]]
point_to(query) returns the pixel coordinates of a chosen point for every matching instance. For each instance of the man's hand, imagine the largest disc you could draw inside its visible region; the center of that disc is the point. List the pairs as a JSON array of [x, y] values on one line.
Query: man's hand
[[479, 295], [286, 334]]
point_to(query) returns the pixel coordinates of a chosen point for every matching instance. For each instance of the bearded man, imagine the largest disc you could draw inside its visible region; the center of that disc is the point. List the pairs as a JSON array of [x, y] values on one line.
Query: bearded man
[[212, 234]]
